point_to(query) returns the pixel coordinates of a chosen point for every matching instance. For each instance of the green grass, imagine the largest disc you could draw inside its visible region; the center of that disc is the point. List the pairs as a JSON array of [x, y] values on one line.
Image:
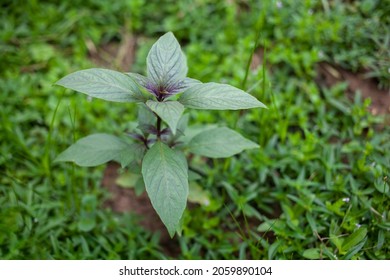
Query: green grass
[[318, 188]]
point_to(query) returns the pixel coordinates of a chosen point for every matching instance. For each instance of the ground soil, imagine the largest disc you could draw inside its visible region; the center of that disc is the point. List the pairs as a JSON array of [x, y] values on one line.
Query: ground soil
[[114, 55], [125, 200], [330, 75]]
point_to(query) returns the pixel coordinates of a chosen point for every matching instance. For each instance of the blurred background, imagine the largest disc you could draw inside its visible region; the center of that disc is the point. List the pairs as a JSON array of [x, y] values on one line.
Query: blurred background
[[318, 188]]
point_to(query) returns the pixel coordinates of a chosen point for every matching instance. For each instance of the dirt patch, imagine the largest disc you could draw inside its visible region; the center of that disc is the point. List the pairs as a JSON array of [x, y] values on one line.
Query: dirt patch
[[257, 59], [118, 55], [330, 75], [125, 200]]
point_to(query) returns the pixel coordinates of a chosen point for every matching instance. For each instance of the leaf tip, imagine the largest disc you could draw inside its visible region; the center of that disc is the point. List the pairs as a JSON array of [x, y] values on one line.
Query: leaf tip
[[262, 105], [60, 158], [58, 83], [171, 233]]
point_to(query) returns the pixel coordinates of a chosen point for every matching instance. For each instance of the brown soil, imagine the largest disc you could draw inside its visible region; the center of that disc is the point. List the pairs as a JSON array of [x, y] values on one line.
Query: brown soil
[[330, 75], [257, 59], [118, 55], [125, 200]]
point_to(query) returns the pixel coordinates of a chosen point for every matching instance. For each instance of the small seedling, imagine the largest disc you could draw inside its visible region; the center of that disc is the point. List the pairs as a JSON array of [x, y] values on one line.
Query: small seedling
[[159, 142]]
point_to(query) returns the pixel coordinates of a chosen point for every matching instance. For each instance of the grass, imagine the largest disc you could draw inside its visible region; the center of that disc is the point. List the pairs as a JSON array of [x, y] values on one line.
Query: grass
[[317, 189]]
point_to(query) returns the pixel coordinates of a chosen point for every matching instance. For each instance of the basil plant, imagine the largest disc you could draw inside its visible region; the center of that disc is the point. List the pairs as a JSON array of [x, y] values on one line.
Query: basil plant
[[159, 141]]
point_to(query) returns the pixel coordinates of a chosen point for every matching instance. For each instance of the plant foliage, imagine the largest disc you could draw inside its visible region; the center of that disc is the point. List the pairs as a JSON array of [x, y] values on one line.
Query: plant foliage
[[164, 167]]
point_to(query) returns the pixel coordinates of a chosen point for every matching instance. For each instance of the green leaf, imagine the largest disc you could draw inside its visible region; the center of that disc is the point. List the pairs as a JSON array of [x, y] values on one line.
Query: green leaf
[[127, 180], [336, 240], [166, 63], [273, 249], [183, 124], [381, 185], [100, 148], [169, 111], [312, 254], [193, 176], [193, 130], [140, 79], [139, 187], [145, 118], [190, 82], [86, 222], [355, 249], [354, 239], [104, 84], [87, 218], [219, 143], [270, 225], [214, 96], [165, 174], [198, 195], [187, 83], [381, 239], [311, 222]]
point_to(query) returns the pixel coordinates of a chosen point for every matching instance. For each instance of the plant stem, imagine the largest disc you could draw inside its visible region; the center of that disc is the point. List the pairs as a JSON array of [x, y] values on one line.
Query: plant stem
[[158, 127], [145, 141]]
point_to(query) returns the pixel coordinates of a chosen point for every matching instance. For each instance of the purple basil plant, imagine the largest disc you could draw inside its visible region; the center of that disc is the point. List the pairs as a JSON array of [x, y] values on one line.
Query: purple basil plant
[[159, 142]]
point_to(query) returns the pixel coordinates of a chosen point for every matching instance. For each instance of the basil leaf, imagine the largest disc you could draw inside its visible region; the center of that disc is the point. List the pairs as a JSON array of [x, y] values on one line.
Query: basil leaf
[[165, 174], [214, 96], [219, 143], [166, 63], [104, 84], [169, 111], [100, 148]]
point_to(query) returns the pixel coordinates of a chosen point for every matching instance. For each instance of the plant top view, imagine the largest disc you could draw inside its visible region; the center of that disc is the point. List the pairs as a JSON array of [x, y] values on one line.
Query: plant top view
[[195, 130], [164, 168]]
